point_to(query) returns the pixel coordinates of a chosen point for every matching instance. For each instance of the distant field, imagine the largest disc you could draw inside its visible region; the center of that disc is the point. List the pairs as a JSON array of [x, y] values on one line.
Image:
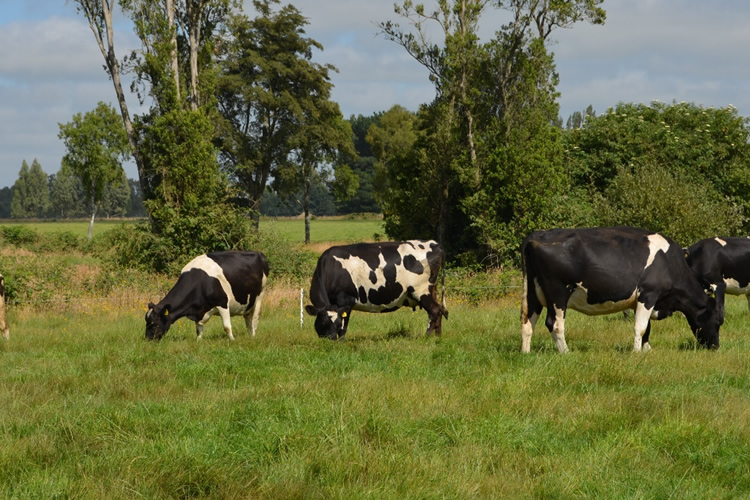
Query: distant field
[[324, 230], [77, 227], [293, 230]]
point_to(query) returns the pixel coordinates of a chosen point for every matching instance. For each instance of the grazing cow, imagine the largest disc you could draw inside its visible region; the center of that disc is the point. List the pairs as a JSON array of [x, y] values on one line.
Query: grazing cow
[[3, 323], [375, 277], [722, 265], [606, 270], [224, 283]]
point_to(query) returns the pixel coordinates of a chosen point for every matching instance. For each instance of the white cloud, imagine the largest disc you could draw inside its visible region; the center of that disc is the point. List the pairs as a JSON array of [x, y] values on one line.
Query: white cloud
[[688, 50]]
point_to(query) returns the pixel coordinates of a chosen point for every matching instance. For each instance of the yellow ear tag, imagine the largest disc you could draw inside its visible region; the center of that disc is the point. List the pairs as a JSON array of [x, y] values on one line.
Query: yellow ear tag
[[166, 312], [343, 315]]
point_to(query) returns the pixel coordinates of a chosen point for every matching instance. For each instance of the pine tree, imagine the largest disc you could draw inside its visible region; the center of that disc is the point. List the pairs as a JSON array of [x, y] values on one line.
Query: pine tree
[[30, 192]]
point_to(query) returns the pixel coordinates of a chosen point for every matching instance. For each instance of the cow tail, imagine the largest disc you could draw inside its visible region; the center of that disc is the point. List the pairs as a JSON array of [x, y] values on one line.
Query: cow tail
[[443, 307]]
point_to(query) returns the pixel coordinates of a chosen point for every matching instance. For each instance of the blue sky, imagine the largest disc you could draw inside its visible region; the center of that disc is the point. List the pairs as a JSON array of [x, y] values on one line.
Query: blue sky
[[667, 50]]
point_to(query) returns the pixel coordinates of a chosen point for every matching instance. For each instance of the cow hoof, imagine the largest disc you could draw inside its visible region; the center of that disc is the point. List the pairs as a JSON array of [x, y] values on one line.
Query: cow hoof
[[646, 347]]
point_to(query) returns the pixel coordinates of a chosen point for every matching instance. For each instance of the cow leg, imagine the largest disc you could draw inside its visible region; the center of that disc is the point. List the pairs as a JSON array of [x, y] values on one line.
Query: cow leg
[[645, 346], [199, 324], [527, 330], [556, 326], [251, 317], [226, 319], [531, 309], [435, 313], [642, 325]]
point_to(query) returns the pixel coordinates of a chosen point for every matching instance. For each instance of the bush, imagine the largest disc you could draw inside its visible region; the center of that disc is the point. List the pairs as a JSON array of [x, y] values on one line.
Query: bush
[[137, 247], [19, 235], [654, 198]]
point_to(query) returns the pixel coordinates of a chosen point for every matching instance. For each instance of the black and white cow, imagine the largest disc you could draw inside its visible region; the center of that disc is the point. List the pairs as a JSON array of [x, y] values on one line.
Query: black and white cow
[[225, 283], [606, 270], [375, 277], [722, 265]]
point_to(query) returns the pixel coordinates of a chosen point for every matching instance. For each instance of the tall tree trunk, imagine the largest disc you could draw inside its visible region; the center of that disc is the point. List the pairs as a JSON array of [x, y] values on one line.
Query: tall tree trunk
[[173, 42], [195, 17], [306, 207], [93, 215], [99, 17]]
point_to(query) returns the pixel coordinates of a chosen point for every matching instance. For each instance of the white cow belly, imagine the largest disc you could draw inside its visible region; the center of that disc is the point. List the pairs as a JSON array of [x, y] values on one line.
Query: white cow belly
[[734, 288], [579, 302]]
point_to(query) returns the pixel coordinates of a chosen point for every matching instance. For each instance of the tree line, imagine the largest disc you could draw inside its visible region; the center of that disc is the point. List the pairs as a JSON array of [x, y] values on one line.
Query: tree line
[[239, 119], [62, 196]]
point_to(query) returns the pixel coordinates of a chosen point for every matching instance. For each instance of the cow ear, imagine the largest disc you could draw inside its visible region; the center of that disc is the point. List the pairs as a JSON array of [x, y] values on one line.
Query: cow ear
[[311, 310]]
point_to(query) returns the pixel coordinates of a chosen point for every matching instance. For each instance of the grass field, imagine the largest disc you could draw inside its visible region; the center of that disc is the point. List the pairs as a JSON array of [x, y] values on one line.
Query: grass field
[[89, 409], [326, 229], [292, 229], [77, 227]]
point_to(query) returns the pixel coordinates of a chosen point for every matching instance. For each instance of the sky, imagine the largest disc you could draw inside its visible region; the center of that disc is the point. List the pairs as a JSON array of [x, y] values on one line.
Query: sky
[[648, 50]]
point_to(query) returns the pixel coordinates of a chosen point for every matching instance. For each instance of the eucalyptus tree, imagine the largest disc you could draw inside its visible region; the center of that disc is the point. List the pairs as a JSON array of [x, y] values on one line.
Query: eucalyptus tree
[[185, 194]]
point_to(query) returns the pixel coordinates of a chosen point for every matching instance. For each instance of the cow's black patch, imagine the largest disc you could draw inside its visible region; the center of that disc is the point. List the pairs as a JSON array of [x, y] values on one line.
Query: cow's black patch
[[413, 265], [373, 277], [362, 295], [385, 294]]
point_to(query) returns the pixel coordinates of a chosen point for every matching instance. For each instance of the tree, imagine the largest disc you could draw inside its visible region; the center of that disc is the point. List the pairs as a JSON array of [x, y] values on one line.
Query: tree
[[135, 200], [491, 99], [695, 159], [67, 195], [99, 15], [265, 91], [96, 145], [363, 200], [6, 198], [323, 137], [30, 192], [116, 197], [184, 192]]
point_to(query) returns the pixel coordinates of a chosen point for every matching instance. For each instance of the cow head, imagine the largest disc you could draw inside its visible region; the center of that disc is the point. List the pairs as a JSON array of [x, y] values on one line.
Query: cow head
[[706, 328], [157, 322], [330, 322]]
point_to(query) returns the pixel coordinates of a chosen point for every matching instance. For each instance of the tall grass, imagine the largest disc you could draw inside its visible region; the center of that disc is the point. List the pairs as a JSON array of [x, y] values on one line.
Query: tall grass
[[89, 409]]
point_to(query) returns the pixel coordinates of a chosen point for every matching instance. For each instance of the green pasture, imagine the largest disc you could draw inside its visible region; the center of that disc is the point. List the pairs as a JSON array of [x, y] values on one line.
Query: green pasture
[[89, 409], [293, 230], [77, 227], [326, 229]]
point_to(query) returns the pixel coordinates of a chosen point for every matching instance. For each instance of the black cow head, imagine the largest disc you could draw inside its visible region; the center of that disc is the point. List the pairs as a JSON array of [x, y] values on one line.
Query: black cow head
[[706, 329], [157, 322], [330, 322]]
